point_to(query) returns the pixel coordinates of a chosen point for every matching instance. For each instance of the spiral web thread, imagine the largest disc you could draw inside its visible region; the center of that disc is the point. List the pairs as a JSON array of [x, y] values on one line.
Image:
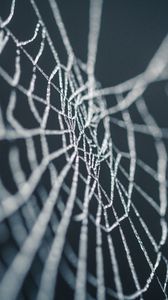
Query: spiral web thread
[[84, 105]]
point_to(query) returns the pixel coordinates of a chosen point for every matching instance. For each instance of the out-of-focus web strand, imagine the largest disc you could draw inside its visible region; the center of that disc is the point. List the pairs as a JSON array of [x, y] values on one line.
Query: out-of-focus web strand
[[81, 93]]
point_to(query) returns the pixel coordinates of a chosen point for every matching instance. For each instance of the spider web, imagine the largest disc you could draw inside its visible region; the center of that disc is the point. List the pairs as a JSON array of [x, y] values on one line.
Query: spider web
[[76, 204]]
